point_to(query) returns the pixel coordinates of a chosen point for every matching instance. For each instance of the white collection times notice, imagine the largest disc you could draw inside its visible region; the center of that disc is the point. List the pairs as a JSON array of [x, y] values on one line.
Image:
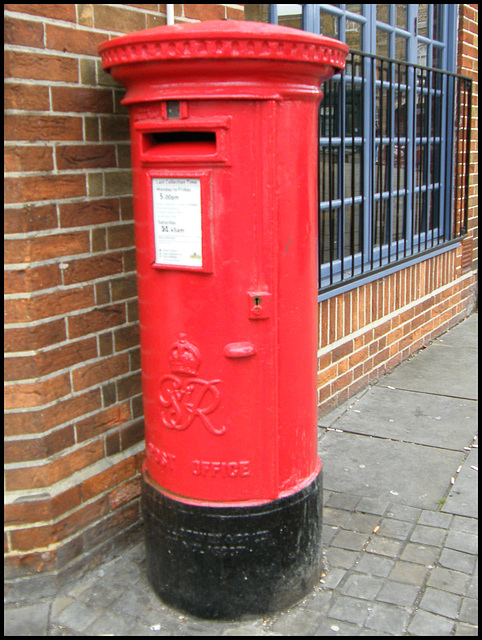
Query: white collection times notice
[[177, 221]]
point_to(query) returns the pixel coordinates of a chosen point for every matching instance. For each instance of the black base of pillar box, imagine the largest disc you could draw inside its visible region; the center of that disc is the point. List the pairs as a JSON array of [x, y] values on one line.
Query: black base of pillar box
[[226, 562]]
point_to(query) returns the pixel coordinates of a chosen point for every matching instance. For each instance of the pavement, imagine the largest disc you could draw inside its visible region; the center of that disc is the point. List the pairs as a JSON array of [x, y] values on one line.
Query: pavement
[[400, 476]]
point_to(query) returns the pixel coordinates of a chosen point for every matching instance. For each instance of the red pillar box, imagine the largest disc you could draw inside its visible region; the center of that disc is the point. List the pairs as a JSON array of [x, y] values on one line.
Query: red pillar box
[[224, 123]]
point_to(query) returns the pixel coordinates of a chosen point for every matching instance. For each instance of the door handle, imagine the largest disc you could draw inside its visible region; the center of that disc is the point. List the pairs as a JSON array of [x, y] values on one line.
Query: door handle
[[239, 350]]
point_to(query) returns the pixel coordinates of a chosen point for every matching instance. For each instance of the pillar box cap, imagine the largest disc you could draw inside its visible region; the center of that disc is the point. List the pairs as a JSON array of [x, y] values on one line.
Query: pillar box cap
[[216, 51]]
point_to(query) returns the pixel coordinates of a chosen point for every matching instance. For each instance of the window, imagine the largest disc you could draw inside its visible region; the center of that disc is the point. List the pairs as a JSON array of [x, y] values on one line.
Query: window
[[389, 125]]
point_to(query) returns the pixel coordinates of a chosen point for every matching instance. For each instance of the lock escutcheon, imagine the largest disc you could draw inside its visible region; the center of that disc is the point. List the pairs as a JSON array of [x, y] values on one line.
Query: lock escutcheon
[[260, 304]]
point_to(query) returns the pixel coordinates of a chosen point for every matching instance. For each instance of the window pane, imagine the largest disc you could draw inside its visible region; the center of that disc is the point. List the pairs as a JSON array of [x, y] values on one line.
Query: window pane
[[383, 13], [329, 174], [422, 54], [353, 231], [329, 25], [353, 34], [437, 61], [353, 173], [256, 12], [400, 48], [402, 16], [382, 43], [399, 218], [437, 22], [290, 15], [354, 8], [423, 20], [329, 235]]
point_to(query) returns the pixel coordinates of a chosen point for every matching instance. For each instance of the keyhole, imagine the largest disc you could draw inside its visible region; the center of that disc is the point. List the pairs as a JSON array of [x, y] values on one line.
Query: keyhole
[[257, 301]]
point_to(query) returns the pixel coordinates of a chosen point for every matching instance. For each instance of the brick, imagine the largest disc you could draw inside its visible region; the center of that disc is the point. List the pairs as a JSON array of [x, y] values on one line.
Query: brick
[[35, 336], [125, 493], [23, 32], [85, 156], [120, 520], [132, 434], [102, 421], [96, 320], [204, 11], [114, 18], [44, 305], [85, 269], [47, 362], [28, 158], [32, 394], [37, 127], [29, 188], [342, 351], [109, 478], [124, 287], [32, 511], [129, 385], [42, 419], [36, 66], [118, 183], [46, 475], [39, 448], [42, 536], [126, 337], [29, 218], [47, 247], [20, 96], [97, 372], [32, 279], [72, 40], [92, 212], [82, 99], [56, 11]]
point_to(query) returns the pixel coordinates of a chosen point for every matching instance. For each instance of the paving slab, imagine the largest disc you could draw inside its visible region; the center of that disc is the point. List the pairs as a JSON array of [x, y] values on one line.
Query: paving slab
[[399, 539], [465, 334], [401, 472], [407, 416], [463, 499], [443, 370], [29, 620]]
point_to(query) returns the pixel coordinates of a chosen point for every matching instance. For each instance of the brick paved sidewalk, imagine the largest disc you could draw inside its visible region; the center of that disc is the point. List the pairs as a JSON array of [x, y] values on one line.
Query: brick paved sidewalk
[[400, 523]]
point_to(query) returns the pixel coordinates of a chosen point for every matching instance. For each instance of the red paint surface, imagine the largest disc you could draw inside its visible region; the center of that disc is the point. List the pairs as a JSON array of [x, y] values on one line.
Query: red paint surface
[[228, 346]]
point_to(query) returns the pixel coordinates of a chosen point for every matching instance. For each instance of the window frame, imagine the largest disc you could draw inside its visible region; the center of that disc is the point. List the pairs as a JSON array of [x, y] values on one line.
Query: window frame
[[372, 259]]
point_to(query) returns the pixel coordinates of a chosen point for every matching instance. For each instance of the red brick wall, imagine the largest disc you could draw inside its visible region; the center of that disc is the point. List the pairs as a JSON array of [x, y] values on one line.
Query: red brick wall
[[366, 332], [73, 421]]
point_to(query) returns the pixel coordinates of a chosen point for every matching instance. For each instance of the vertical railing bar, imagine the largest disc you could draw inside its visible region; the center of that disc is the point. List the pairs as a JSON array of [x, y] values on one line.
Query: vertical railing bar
[[448, 228], [468, 84], [427, 157], [397, 126], [437, 174], [352, 222], [406, 168], [457, 134], [361, 218], [414, 160], [390, 117], [330, 181], [341, 172], [420, 165], [383, 170], [380, 165], [372, 163]]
